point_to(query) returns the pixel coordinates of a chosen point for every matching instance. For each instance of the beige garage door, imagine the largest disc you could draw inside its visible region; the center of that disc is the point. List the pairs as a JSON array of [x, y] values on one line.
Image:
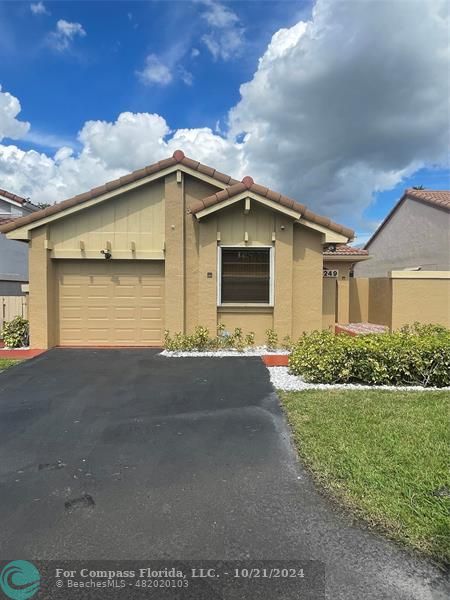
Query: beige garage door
[[111, 302]]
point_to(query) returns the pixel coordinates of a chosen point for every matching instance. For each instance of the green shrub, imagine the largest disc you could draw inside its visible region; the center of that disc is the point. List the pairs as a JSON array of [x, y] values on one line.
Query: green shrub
[[414, 355], [201, 340], [250, 339], [287, 343], [271, 339], [16, 333]]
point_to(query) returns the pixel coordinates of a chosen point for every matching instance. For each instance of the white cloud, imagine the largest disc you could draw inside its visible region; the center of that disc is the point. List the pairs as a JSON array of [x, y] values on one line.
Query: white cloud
[[142, 134], [185, 75], [340, 107], [63, 153], [167, 68], [225, 45], [218, 15], [348, 103], [65, 33], [225, 39], [10, 126], [109, 150], [39, 8], [155, 71]]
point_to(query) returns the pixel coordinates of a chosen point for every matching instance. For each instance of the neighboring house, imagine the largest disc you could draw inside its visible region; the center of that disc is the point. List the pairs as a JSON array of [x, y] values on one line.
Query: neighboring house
[[414, 235], [172, 246], [13, 255]]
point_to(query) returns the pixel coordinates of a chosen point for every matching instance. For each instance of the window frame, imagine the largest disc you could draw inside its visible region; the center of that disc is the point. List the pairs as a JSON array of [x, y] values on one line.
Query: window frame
[[271, 276]]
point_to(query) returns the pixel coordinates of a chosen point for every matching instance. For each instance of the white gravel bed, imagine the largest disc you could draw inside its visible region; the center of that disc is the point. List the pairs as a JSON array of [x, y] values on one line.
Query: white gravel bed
[[283, 380], [256, 351]]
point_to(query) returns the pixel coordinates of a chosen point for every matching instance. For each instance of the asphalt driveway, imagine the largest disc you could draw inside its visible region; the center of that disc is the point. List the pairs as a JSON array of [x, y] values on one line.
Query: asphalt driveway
[[124, 454]]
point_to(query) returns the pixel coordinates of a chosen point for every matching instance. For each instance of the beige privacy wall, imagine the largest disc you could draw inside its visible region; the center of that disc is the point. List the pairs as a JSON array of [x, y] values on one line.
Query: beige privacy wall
[[401, 300], [422, 300]]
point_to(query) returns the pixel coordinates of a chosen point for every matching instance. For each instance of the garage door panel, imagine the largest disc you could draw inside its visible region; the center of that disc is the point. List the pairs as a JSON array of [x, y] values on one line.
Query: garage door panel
[[97, 312], [124, 312], [96, 291], [111, 302], [152, 291], [151, 336], [98, 335], [151, 312], [72, 336], [73, 292]]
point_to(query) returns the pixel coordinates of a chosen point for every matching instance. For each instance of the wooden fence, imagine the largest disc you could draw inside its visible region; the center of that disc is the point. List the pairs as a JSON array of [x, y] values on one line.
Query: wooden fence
[[12, 306]]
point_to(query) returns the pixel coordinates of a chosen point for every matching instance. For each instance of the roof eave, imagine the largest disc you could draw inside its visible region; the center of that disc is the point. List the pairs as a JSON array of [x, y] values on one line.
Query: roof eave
[[346, 258], [293, 214], [330, 236]]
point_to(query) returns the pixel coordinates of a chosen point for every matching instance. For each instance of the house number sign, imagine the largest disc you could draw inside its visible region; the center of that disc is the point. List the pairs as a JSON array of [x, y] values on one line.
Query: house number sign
[[330, 273]]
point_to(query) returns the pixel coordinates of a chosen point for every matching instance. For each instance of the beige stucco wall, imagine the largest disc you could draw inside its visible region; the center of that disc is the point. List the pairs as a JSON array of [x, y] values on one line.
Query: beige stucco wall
[[43, 308], [421, 300], [359, 300], [336, 294], [396, 302], [200, 258], [174, 254], [380, 301], [251, 320], [307, 281], [329, 304], [156, 218]]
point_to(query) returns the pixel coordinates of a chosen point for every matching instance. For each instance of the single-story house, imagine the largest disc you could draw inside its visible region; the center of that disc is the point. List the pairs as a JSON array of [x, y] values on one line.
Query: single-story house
[[415, 235], [171, 246], [13, 254]]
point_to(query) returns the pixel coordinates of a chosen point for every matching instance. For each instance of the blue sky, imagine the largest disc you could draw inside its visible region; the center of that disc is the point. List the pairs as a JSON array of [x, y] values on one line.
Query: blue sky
[[96, 79], [295, 126]]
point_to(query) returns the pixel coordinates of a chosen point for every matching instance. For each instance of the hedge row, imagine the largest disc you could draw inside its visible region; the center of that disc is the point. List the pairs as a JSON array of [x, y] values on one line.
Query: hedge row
[[416, 355], [202, 340]]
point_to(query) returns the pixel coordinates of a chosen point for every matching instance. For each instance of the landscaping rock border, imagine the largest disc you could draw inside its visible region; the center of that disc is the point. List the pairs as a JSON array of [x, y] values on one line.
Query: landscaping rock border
[[283, 380], [256, 351]]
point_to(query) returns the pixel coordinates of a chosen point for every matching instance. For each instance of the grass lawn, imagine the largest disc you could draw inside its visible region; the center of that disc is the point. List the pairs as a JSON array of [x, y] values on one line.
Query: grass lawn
[[7, 362], [384, 454]]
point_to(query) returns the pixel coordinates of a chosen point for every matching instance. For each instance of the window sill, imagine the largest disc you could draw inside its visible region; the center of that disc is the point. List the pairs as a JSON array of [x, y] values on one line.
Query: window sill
[[260, 308]]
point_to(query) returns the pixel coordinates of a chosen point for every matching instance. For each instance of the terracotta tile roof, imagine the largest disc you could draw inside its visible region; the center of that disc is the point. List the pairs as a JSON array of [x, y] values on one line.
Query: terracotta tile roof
[[13, 197], [234, 187], [437, 198], [344, 250], [248, 184], [18, 199], [178, 157]]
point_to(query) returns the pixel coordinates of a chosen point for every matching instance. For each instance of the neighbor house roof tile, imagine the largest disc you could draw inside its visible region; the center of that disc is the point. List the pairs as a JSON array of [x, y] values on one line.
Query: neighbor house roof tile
[[344, 250], [13, 197], [439, 198]]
